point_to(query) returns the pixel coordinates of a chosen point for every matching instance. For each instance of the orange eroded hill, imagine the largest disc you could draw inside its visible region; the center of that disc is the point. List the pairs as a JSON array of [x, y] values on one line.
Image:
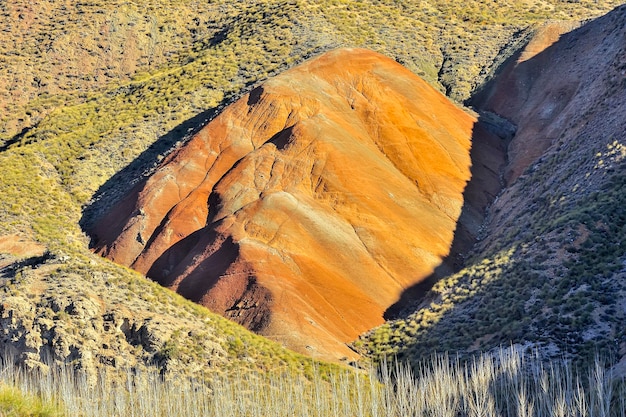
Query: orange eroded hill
[[305, 208]]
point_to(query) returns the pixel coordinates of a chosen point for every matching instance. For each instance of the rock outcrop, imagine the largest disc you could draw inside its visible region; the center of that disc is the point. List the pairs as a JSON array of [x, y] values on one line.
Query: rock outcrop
[[305, 208]]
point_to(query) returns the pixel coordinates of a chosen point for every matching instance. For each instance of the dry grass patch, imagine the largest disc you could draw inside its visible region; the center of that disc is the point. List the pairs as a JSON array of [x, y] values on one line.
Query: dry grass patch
[[505, 384]]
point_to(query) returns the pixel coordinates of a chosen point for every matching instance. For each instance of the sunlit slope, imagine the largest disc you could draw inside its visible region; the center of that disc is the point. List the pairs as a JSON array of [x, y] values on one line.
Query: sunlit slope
[[87, 87]]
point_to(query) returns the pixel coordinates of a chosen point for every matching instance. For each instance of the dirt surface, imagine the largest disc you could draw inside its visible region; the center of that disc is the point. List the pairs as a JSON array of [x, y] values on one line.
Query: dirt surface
[[14, 247]]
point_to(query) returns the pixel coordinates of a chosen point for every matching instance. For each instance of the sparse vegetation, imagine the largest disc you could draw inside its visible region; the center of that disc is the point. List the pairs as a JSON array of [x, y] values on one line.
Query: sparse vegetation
[[229, 45]]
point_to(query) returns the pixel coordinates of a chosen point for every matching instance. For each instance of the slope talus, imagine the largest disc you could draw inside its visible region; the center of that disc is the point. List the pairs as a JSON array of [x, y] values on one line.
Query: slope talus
[[305, 208]]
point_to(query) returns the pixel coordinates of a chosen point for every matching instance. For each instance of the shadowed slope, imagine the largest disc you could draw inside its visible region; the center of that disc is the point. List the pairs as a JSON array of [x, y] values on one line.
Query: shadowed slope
[[543, 88], [305, 208]]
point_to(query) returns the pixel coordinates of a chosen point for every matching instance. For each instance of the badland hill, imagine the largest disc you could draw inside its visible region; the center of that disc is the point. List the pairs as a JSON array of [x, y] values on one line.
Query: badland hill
[[305, 208]]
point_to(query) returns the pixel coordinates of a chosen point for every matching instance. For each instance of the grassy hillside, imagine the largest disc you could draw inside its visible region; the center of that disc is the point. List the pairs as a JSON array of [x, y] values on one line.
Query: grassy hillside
[[58, 53]]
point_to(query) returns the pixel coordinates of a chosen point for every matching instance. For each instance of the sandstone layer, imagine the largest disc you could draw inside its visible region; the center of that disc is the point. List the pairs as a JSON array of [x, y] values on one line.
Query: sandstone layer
[[306, 207]]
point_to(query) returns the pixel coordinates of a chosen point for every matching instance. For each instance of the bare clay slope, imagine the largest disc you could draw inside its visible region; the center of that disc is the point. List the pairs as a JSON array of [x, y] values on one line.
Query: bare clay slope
[[305, 208]]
